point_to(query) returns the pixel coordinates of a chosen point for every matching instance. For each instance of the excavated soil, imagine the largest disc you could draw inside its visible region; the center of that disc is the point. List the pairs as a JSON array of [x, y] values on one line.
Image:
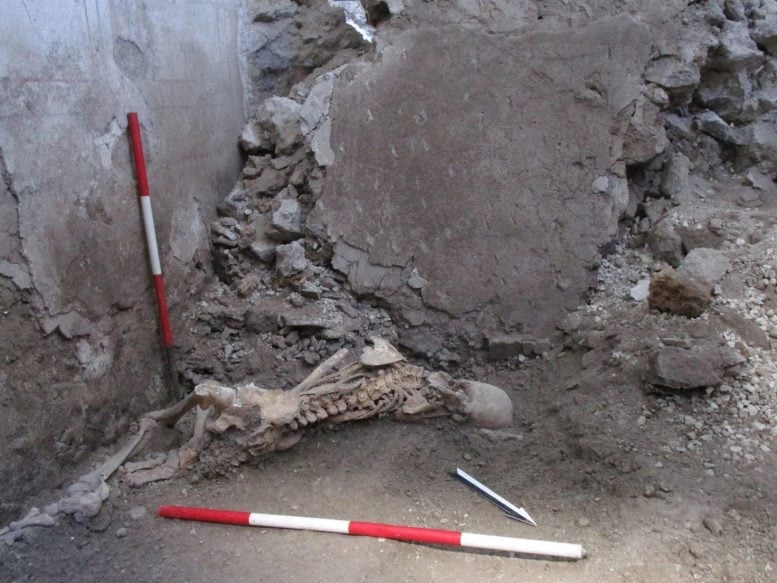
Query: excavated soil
[[657, 485], [577, 459], [648, 437]]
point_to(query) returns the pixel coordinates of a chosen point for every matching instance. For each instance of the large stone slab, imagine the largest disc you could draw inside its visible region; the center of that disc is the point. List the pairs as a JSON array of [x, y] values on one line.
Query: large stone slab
[[491, 165], [683, 368]]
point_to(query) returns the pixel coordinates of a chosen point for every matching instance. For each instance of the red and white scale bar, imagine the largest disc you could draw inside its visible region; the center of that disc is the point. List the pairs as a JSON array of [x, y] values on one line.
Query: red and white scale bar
[[374, 529], [148, 223]]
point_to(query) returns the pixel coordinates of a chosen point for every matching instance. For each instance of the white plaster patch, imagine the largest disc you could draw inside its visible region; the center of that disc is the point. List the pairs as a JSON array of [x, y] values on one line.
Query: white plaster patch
[[188, 232], [95, 359], [106, 142], [321, 146]]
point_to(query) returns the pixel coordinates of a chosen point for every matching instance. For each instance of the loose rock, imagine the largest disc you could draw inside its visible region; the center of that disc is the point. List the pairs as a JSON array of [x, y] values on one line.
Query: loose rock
[[678, 293], [683, 368], [706, 266], [271, 10], [764, 32], [674, 177], [269, 182], [666, 244], [279, 116], [734, 10], [696, 549], [416, 281], [262, 246], [736, 50], [253, 139], [674, 75], [639, 293], [711, 124], [714, 525], [287, 221], [137, 513], [291, 259]]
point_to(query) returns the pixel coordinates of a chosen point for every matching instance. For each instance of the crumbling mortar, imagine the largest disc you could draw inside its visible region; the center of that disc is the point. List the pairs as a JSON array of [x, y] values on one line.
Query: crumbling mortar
[[7, 178], [9, 185]]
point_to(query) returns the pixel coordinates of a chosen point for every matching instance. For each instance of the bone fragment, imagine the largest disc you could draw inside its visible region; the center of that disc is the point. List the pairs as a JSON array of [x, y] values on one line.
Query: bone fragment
[[380, 354], [84, 505], [11, 536], [322, 370], [34, 518]]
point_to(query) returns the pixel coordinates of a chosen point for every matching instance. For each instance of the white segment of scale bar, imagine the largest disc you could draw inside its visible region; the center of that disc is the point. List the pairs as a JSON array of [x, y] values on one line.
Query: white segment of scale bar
[[298, 522]]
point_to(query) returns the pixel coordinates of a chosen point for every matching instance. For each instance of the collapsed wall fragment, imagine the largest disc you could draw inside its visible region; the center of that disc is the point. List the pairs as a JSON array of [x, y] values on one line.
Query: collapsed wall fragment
[[470, 183], [490, 170], [470, 195]]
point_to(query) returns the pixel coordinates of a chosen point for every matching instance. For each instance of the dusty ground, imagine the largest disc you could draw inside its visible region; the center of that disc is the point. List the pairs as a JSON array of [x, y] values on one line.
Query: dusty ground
[[657, 486], [577, 459]]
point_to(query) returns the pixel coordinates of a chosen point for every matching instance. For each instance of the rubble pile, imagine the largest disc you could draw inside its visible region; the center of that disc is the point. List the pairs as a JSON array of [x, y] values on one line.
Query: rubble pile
[[697, 139], [714, 375], [278, 307], [285, 40]]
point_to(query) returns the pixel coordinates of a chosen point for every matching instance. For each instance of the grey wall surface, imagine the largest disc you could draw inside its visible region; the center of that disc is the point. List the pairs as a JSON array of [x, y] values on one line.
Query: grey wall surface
[[74, 271], [477, 177]]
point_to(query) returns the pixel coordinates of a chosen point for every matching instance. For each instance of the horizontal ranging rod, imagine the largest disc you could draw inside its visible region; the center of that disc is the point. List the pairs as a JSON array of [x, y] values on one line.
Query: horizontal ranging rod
[[374, 529]]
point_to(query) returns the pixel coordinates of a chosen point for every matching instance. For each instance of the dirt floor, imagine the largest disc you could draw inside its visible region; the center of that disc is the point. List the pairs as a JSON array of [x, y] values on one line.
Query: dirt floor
[[657, 485], [578, 460], [672, 484]]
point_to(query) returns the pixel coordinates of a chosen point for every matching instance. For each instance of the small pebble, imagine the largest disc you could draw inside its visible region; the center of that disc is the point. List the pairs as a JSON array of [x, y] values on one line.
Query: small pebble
[[713, 525], [696, 549], [137, 512], [122, 532], [583, 522], [467, 457]]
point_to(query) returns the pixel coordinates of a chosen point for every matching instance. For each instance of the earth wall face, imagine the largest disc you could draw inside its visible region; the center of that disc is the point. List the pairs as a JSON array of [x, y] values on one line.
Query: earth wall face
[[79, 340]]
